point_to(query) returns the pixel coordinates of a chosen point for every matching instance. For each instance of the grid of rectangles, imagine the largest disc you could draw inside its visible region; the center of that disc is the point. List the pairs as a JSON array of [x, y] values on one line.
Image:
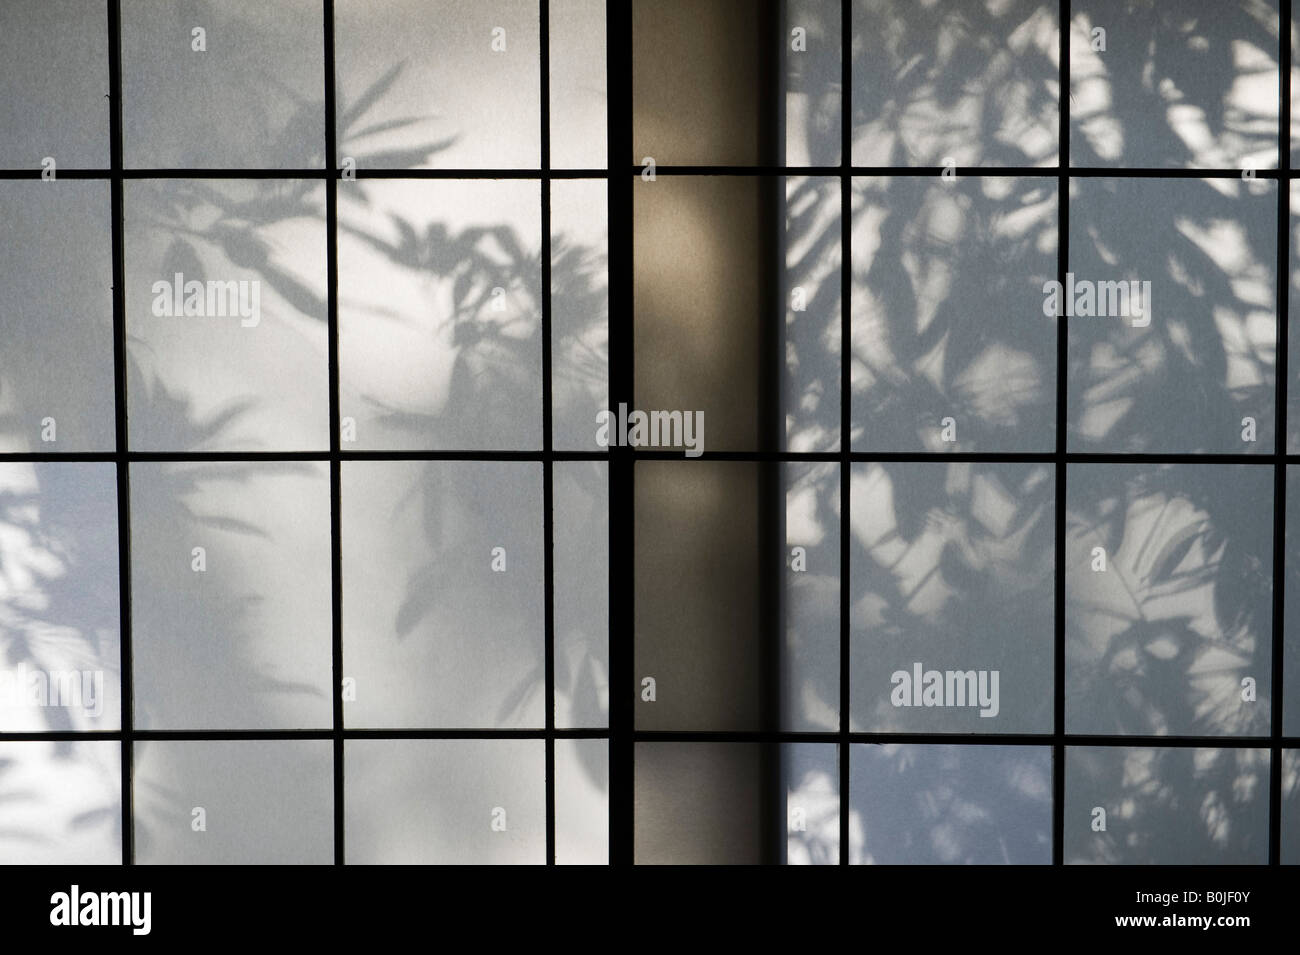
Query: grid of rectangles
[[1035, 575], [304, 526], [295, 609]]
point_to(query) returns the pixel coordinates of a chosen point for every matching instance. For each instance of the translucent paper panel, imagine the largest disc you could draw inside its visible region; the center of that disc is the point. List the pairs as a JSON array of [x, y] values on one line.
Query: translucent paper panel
[[728, 644], [691, 109], [578, 96], [580, 494], [698, 255], [581, 801], [225, 315], [455, 802], [56, 362], [234, 802], [810, 611], [232, 85], [231, 595], [975, 84], [1168, 599], [1190, 84], [699, 632], [1291, 610], [425, 83], [1166, 806], [952, 580], [579, 311], [952, 350], [1290, 808], [695, 83], [63, 803], [1294, 80], [951, 805], [1180, 362], [811, 779], [1293, 338], [56, 76], [703, 803], [443, 593], [810, 293], [56, 57], [440, 314], [60, 664], [812, 82]]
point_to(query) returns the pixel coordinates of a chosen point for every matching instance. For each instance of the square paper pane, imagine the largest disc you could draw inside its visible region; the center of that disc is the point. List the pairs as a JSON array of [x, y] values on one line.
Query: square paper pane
[[1290, 809], [581, 801], [1293, 336], [63, 803], [231, 85], [1294, 81], [701, 303], [578, 99], [453, 802], [226, 315], [1168, 599], [703, 803], [443, 594], [1171, 306], [951, 805], [234, 802], [810, 596], [580, 492], [955, 82], [1291, 609], [810, 293], [56, 80], [60, 658], [579, 312], [1192, 84], [1166, 806], [952, 581], [56, 362], [438, 83], [811, 779], [440, 314], [812, 82], [699, 628], [695, 75], [230, 577], [952, 349]]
